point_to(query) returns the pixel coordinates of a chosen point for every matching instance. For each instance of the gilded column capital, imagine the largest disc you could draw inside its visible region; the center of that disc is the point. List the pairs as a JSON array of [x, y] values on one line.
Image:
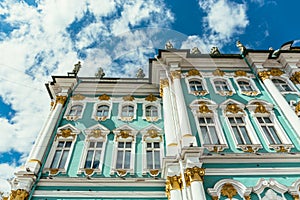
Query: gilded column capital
[[176, 74], [297, 108], [61, 99], [163, 83], [174, 182], [195, 173], [19, 194], [263, 75], [295, 78]]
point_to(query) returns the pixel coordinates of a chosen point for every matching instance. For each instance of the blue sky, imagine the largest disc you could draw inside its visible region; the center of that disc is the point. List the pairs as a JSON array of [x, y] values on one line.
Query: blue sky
[[43, 38]]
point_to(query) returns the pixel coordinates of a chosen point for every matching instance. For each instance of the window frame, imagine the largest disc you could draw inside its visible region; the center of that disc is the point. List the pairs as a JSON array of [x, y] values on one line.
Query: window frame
[[152, 134], [69, 108], [95, 110], [231, 108], [213, 113], [228, 83], [197, 92], [286, 143], [127, 118], [151, 119], [62, 136], [124, 134], [287, 82], [97, 133], [254, 92]]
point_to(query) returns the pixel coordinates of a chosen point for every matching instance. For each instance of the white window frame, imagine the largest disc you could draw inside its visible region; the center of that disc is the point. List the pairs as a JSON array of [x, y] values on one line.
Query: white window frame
[[74, 117], [212, 113], [286, 143], [102, 103], [61, 137], [255, 143], [231, 90], [152, 134], [288, 83], [97, 133], [255, 91], [152, 119], [124, 134], [127, 103], [198, 92]]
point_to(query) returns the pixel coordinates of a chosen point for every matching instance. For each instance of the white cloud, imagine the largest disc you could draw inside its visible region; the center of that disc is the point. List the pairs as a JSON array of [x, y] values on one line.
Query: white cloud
[[41, 44]]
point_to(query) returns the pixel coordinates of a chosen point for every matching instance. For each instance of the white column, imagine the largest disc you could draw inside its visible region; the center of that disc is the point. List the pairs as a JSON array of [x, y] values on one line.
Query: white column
[[169, 126], [175, 195], [281, 102], [185, 128], [195, 175], [38, 151]]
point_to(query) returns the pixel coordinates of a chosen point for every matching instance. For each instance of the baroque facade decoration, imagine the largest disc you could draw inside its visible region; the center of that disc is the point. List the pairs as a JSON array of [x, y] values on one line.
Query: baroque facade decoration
[[198, 127]]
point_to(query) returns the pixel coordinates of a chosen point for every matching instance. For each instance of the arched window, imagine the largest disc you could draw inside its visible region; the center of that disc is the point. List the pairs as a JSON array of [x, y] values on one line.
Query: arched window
[[221, 85], [282, 85], [196, 85], [76, 110], [151, 111], [247, 86], [102, 111], [127, 111]]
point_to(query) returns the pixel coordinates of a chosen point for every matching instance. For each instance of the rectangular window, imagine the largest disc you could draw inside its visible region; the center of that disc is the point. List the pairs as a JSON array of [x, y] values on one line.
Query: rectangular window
[[124, 155], [221, 86], [208, 130], [153, 155], [238, 127], [269, 130], [93, 156], [61, 154]]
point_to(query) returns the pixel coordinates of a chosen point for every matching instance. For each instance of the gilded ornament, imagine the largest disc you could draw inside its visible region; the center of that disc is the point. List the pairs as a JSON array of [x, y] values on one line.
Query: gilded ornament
[[187, 179], [263, 75], [122, 172], [104, 97], [250, 93], [297, 108], [193, 72], [233, 108], [228, 190], [203, 108], [53, 171], [125, 133], [154, 172], [281, 149], [260, 108], [168, 186], [296, 197], [65, 133], [78, 97], [19, 194], [103, 118], [61, 99], [295, 78], [276, 72], [152, 133], [247, 197], [240, 73], [151, 98], [218, 72], [226, 93], [195, 173], [176, 74], [215, 198], [200, 93], [36, 160], [151, 119], [127, 119], [249, 149], [96, 133], [89, 171], [128, 98]]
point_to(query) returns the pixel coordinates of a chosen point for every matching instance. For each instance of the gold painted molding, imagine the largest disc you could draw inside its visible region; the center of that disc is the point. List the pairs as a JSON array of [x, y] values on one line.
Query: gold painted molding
[[263, 75], [35, 160]]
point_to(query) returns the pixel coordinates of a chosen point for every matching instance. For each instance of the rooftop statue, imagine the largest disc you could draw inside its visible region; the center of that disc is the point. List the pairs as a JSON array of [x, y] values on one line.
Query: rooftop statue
[[195, 51], [100, 73], [214, 51], [140, 73], [240, 46], [77, 67], [169, 45]]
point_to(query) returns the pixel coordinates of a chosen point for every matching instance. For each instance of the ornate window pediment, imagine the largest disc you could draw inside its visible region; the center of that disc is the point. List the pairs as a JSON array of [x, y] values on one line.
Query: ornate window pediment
[[222, 86], [127, 110], [195, 83], [75, 109], [247, 86], [102, 110]]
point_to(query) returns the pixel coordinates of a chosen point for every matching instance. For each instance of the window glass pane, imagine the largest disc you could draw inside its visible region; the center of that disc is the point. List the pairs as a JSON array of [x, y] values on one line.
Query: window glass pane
[[237, 135], [63, 159], [156, 144], [121, 144], [128, 145], [245, 135], [97, 159], [56, 159], [149, 159], [231, 120], [89, 158], [260, 120], [60, 144], [201, 120], [267, 120], [99, 144], [92, 144], [204, 133], [149, 145], [127, 159], [119, 160], [213, 135], [68, 144], [274, 134], [239, 120], [268, 135], [157, 159]]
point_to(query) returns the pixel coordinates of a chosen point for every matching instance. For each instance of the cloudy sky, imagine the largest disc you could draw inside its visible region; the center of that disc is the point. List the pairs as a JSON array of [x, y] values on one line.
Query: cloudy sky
[[47, 37]]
